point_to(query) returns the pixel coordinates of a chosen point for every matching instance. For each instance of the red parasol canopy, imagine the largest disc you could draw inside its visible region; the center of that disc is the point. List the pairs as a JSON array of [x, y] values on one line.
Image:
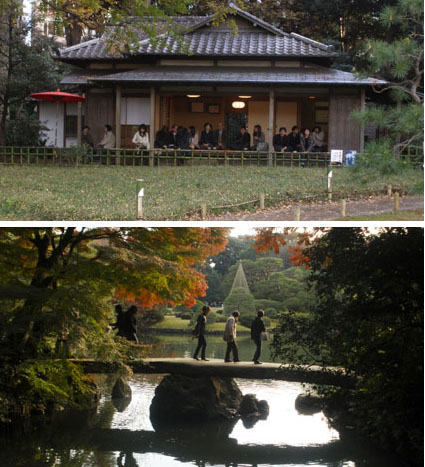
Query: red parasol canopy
[[57, 96]]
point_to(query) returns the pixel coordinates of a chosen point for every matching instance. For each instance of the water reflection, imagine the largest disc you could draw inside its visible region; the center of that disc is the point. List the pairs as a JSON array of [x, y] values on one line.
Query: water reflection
[[126, 437]]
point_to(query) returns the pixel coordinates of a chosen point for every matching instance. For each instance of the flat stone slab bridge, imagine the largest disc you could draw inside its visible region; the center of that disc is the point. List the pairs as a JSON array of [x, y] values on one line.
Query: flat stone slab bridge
[[214, 367]]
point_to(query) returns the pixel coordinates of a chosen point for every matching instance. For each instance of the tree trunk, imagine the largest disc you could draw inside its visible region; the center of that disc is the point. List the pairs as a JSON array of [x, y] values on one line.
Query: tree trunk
[[73, 32]]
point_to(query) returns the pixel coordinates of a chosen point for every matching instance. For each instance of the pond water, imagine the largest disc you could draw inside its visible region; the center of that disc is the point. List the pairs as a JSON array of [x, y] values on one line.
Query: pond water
[[184, 346], [122, 434]]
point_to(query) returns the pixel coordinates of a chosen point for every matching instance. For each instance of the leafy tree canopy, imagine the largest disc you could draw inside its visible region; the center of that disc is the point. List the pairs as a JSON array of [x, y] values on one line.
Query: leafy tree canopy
[[60, 283]]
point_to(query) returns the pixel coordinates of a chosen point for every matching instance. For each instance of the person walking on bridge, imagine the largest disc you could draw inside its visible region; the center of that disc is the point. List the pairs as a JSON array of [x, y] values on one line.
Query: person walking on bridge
[[199, 332], [230, 337], [257, 329]]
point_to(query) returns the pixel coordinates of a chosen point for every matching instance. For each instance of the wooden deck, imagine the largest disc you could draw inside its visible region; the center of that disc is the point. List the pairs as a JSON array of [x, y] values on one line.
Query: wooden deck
[[214, 367]]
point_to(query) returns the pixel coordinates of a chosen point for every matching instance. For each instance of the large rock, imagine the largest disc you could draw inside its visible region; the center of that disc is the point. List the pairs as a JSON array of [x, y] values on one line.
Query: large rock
[[121, 389], [251, 410], [186, 398], [308, 404]]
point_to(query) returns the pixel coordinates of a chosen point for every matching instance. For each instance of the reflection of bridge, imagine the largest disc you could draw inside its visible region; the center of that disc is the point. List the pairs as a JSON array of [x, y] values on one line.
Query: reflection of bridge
[[206, 451], [214, 367]]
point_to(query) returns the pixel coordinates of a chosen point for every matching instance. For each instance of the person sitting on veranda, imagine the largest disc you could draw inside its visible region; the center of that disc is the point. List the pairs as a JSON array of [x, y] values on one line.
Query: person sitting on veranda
[[172, 137], [161, 138], [294, 140], [108, 140], [193, 138], [318, 139], [141, 138], [207, 137], [306, 144], [86, 138], [259, 139], [242, 141], [220, 137], [280, 141]]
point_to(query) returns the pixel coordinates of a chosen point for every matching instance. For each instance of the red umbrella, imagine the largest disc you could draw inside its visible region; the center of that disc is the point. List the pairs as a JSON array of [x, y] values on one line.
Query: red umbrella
[[57, 96]]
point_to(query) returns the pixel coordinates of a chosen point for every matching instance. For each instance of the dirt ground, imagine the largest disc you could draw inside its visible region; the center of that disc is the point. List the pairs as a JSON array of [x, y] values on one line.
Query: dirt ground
[[324, 211]]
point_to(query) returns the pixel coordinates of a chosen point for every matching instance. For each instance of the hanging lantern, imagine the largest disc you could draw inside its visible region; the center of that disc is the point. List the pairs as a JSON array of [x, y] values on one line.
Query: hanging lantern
[[238, 105]]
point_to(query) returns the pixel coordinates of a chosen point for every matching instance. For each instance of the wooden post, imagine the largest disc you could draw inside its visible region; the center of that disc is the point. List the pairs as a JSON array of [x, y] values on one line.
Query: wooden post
[[297, 213], [79, 122], [389, 191], [152, 124], [262, 198], [362, 126], [329, 184], [343, 204], [140, 193], [117, 116], [203, 211], [396, 201], [271, 125]]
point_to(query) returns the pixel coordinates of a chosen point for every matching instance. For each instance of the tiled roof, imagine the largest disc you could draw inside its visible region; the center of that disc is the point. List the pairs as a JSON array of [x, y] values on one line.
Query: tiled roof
[[209, 43], [201, 39], [276, 75]]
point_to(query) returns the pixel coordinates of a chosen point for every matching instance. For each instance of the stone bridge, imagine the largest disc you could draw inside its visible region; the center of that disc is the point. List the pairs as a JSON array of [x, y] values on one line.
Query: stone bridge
[[189, 367]]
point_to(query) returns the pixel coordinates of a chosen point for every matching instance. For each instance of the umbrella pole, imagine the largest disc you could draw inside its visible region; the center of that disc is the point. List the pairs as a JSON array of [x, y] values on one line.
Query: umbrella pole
[[56, 128]]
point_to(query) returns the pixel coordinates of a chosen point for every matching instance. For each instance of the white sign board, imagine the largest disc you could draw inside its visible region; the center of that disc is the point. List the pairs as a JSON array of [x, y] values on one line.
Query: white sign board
[[336, 156]]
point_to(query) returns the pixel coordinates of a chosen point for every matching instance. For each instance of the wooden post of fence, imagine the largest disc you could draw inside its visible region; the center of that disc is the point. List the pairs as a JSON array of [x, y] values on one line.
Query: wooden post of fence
[[203, 211], [262, 198], [297, 213], [140, 194], [343, 204], [329, 185], [389, 191], [396, 201]]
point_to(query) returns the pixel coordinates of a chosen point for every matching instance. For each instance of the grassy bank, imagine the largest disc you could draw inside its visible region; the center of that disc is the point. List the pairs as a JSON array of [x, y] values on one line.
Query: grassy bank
[[109, 193], [178, 324], [413, 215]]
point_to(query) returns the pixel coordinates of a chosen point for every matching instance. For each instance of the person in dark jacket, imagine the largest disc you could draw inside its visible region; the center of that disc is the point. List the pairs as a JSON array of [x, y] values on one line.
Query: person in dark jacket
[[207, 137], [294, 140], [86, 138], [130, 324], [257, 327], [280, 141], [161, 139], [173, 137], [200, 333], [243, 140]]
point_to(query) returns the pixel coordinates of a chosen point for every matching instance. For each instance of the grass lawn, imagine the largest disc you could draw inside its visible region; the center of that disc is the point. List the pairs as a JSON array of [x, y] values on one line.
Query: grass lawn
[[413, 215], [172, 322], [109, 193]]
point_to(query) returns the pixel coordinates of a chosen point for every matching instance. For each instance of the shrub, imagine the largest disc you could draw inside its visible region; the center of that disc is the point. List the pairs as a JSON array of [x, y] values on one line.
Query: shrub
[[51, 381]]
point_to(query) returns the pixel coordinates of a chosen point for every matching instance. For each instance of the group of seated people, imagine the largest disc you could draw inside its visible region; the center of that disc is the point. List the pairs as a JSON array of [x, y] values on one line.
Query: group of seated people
[[297, 141], [181, 138]]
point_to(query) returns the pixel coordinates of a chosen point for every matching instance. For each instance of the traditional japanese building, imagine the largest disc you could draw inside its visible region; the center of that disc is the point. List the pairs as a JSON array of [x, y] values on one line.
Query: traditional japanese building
[[258, 75]]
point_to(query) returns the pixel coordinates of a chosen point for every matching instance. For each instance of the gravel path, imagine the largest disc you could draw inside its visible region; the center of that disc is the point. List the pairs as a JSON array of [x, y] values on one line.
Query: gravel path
[[325, 211]]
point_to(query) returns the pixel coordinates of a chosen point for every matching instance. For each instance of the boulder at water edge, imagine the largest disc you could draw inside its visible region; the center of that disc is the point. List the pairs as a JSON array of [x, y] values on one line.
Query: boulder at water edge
[[121, 389], [185, 398]]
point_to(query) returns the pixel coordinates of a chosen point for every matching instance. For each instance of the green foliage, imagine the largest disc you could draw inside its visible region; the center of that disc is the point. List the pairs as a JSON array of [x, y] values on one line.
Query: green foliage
[[240, 300], [379, 156], [27, 68], [104, 193], [399, 61], [51, 381], [368, 318]]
